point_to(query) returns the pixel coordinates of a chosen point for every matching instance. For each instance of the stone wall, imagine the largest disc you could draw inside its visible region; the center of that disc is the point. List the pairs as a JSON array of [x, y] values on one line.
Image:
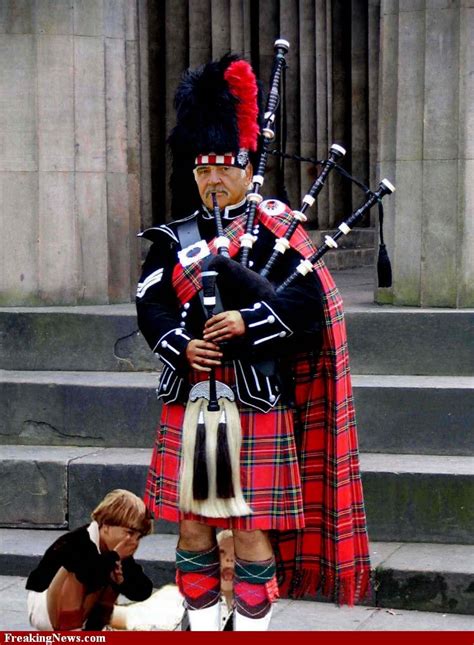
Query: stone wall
[[86, 91], [82, 135], [71, 162], [426, 135]]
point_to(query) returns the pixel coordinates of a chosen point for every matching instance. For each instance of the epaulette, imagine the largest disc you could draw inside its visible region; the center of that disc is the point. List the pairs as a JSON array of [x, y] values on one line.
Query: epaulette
[[154, 232]]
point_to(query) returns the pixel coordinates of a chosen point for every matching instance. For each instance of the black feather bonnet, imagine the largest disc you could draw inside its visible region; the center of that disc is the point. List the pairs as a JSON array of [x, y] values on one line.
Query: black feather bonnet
[[217, 111]]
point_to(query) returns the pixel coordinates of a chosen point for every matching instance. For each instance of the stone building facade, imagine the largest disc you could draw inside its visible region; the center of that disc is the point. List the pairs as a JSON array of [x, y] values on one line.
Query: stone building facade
[[86, 91]]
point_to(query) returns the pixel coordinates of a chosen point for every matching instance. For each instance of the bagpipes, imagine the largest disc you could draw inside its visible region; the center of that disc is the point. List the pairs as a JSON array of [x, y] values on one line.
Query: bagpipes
[[254, 198], [210, 479]]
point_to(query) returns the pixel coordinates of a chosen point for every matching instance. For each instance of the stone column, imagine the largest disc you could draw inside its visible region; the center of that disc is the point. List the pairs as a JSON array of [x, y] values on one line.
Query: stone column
[[426, 146], [70, 159]]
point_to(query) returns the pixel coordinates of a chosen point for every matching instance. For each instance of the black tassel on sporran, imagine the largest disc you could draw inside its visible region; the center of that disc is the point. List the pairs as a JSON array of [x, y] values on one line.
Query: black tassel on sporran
[[200, 474], [224, 485]]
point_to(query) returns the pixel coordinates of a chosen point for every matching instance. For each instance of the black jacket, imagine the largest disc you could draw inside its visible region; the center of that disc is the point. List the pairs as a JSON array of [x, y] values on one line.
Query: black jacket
[[76, 552], [276, 326]]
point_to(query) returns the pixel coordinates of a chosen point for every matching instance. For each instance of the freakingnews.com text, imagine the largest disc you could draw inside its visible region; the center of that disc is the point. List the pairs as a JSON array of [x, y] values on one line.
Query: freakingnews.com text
[[53, 638]]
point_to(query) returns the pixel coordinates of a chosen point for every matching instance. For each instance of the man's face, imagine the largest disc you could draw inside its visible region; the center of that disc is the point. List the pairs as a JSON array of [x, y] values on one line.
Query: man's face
[[228, 182]]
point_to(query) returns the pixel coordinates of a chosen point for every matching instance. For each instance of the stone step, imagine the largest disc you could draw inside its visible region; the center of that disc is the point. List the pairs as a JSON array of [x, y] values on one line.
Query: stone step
[[402, 340], [79, 408], [408, 498], [427, 577], [409, 414], [90, 338], [349, 258], [415, 414], [354, 250], [413, 498], [382, 340]]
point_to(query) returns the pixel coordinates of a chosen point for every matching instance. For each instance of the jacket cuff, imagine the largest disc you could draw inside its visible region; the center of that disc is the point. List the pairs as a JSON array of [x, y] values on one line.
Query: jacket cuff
[[171, 348], [263, 325]]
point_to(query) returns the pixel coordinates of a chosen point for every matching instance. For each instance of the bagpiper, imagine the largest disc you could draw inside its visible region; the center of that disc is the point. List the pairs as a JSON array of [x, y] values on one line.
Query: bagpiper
[[257, 432]]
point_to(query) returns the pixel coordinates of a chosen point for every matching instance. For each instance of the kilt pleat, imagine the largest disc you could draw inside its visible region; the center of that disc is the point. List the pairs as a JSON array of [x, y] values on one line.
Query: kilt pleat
[[269, 468]]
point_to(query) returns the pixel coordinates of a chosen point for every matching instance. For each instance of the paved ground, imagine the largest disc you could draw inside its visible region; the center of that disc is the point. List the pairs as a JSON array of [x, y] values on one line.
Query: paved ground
[[289, 615], [357, 286]]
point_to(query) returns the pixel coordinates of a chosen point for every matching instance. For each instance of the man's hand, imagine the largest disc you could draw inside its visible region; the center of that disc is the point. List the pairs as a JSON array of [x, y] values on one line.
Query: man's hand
[[203, 355], [224, 326]]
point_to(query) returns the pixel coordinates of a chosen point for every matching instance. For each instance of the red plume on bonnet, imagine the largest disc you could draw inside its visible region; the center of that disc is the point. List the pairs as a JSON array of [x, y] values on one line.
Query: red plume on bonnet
[[243, 85]]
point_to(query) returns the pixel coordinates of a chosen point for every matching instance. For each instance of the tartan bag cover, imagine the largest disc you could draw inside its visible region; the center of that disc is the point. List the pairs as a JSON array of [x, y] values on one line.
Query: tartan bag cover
[[332, 552]]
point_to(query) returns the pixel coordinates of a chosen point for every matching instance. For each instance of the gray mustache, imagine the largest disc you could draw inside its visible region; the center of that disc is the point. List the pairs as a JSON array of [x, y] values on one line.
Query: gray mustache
[[217, 192]]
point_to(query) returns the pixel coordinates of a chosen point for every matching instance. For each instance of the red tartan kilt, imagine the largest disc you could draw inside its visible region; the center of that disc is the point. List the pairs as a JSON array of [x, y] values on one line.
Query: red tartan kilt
[[269, 468]]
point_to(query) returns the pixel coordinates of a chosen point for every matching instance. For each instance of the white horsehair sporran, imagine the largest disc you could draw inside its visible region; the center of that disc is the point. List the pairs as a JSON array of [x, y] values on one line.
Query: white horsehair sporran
[[198, 419]]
